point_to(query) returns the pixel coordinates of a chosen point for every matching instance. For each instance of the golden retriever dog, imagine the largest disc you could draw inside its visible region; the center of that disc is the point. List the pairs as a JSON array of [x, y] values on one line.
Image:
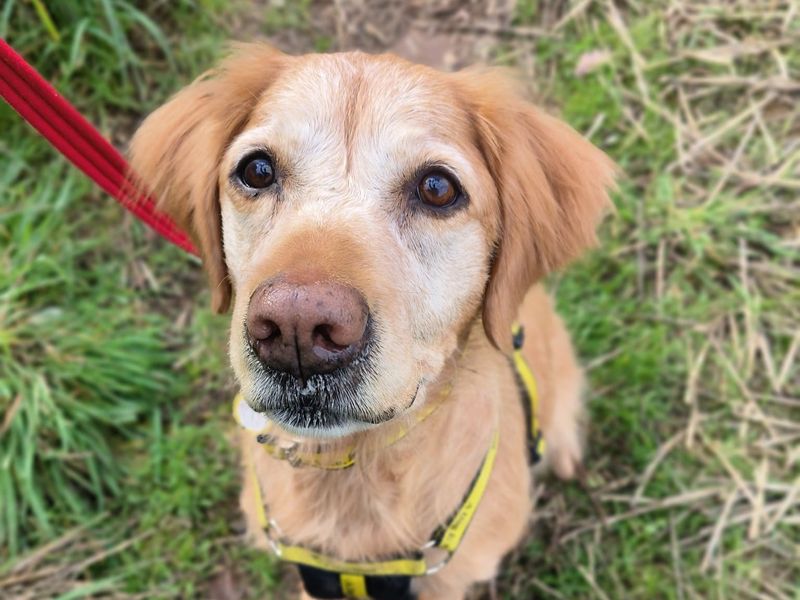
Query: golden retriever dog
[[377, 228]]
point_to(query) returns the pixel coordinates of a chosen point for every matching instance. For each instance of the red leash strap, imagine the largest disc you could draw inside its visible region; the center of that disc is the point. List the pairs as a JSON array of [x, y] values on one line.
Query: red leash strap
[[57, 120]]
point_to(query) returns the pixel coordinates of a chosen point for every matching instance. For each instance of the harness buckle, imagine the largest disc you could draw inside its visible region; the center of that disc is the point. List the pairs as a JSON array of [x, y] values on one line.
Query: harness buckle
[[290, 455], [438, 566], [273, 539], [287, 453]]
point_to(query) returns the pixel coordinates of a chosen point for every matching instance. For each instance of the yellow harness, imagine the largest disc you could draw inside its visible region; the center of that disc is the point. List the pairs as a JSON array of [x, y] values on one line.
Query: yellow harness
[[328, 577]]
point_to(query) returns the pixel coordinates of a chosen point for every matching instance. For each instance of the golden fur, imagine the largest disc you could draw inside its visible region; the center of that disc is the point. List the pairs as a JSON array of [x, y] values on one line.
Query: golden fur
[[346, 130]]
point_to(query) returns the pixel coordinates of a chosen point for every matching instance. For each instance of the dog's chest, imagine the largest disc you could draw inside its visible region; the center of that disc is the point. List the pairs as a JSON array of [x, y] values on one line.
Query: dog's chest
[[358, 513], [378, 508]]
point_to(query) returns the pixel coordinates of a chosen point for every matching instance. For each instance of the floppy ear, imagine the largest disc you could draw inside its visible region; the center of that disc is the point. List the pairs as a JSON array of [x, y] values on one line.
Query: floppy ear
[[553, 191], [176, 152]]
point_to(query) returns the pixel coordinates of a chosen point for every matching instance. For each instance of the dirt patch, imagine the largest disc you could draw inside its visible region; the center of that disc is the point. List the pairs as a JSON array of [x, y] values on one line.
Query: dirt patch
[[446, 34]]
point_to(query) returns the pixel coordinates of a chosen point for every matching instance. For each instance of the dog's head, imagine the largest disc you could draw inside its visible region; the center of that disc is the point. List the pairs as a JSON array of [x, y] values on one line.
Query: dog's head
[[363, 212]]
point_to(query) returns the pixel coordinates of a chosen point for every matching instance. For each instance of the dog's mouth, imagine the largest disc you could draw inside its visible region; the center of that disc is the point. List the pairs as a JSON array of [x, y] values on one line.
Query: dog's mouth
[[321, 405]]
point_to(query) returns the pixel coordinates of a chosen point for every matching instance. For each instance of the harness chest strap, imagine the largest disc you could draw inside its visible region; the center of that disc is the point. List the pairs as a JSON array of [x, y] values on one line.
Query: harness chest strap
[[447, 537]]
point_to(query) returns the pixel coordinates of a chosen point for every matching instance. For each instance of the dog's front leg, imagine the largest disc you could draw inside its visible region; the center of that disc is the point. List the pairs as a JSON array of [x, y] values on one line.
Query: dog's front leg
[[449, 593], [449, 584]]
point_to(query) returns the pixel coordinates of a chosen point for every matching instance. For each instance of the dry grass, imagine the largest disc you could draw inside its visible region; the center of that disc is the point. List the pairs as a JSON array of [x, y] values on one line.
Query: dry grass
[[58, 568]]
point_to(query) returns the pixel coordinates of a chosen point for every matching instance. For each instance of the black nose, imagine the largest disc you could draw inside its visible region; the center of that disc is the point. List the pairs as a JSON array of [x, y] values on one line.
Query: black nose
[[306, 329]]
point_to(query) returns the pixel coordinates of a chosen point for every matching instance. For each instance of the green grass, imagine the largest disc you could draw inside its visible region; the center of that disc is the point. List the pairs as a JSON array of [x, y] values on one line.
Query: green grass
[[113, 383], [79, 365], [117, 476]]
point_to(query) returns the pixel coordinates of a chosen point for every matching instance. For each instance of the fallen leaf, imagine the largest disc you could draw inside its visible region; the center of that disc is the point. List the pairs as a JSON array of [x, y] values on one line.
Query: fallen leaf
[[591, 61]]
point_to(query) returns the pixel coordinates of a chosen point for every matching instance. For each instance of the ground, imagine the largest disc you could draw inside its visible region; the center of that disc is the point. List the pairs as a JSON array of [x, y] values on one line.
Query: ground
[[118, 478]]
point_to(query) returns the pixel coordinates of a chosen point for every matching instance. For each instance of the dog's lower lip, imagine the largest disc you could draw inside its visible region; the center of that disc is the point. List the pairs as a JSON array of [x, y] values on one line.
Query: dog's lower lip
[[292, 416], [324, 401], [317, 402]]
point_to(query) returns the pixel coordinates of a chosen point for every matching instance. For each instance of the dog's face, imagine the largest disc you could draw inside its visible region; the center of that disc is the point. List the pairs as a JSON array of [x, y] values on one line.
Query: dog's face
[[377, 204], [364, 212]]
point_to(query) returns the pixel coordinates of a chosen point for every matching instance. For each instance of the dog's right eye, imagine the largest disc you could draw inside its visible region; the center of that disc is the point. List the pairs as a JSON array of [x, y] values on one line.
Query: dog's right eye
[[437, 189], [256, 171]]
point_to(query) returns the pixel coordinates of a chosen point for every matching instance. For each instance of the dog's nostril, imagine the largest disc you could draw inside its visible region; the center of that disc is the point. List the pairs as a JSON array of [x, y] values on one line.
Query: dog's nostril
[[265, 331], [323, 336]]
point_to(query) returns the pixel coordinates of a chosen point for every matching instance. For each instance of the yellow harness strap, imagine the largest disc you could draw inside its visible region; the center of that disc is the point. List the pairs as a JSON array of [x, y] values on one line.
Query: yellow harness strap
[[454, 530], [353, 586], [448, 537], [536, 443], [412, 567]]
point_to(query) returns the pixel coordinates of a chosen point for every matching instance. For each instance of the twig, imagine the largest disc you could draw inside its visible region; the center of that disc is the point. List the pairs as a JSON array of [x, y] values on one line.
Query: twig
[[690, 395], [788, 361], [592, 583], [571, 14], [39, 554], [669, 502], [539, 584], [637, 62], [660, 455], [731, 165], [676, 557], [730, 124], [735, 475], [719, 528], [758, 507], [10, 412], [791, 498]]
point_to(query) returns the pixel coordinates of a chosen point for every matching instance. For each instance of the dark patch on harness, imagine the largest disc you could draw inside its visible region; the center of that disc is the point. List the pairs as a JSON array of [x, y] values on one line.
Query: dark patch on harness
[[326, 585], [518, 340], [533, 439]]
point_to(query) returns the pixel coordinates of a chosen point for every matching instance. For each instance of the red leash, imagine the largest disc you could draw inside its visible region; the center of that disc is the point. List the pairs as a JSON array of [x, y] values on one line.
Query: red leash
[[63, 126]]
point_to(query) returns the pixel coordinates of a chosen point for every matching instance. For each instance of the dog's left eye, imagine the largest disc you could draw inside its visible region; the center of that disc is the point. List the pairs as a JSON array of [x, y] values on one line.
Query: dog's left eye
[[437, 189], [256, 171]]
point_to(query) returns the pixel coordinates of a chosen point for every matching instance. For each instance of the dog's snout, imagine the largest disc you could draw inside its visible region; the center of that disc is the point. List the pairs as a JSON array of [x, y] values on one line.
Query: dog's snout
[[306, 328]]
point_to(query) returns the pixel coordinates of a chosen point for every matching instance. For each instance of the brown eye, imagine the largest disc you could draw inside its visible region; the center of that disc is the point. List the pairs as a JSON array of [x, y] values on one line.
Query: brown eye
[[256, 171], [437, 189]]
